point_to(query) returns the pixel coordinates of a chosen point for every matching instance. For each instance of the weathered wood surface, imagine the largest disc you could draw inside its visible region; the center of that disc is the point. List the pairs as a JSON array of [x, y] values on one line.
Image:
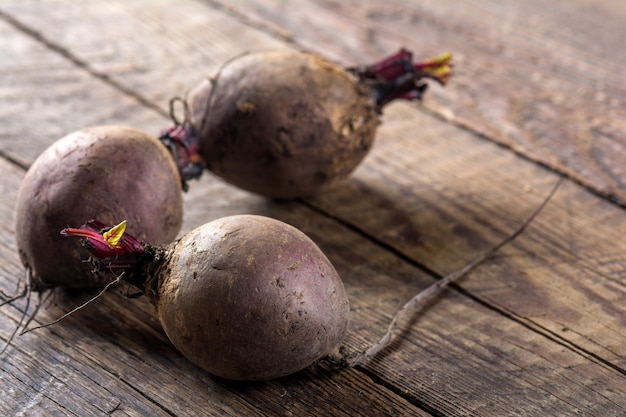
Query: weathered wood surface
[[539, 330]]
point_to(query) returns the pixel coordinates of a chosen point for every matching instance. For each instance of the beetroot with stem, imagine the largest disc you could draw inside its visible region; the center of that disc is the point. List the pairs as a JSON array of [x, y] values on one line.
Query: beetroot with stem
[[182, 142], [244, 297], [109, 172], [286, 124], [248, 297]]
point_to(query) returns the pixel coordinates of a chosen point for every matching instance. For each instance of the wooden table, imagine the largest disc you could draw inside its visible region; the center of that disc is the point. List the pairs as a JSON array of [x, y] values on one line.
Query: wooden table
[[538, 93]]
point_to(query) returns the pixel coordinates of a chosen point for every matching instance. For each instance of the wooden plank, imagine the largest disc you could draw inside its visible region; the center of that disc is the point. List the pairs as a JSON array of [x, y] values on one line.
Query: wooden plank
[[494, 353], [36, 95]]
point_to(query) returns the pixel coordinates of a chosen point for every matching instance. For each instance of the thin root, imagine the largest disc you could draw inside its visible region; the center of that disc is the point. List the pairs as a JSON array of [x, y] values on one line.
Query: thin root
[[25, 292], [186, 119], [19, 293], [64, 316], [26, 319], [41, 301], [359, 358], [19, 324]]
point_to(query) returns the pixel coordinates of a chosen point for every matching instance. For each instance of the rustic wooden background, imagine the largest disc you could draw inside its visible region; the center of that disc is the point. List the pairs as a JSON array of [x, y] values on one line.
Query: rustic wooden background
[[538, 93]]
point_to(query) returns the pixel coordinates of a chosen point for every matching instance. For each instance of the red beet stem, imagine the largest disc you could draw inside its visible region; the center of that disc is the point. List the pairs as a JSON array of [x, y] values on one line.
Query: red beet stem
[[127, 254], [184, 145], [398, 77]]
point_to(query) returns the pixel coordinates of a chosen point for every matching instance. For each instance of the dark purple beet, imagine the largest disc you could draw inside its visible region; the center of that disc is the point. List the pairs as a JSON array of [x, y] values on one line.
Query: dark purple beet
[[286, 124]]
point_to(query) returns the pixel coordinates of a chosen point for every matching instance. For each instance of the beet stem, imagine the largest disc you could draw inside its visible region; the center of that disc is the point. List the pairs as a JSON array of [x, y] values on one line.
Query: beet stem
[[439, 285], [183, 143], [398, 77], [118, 250]]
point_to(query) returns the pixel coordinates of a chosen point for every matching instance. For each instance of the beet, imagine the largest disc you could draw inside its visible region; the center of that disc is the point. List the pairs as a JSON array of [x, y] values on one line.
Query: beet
[[108, 172], [251, 298], [287, 124], [244, 297]]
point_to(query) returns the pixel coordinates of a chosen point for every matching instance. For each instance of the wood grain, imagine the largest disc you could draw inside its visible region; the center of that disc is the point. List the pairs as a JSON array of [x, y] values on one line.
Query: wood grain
[[539, 330]]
